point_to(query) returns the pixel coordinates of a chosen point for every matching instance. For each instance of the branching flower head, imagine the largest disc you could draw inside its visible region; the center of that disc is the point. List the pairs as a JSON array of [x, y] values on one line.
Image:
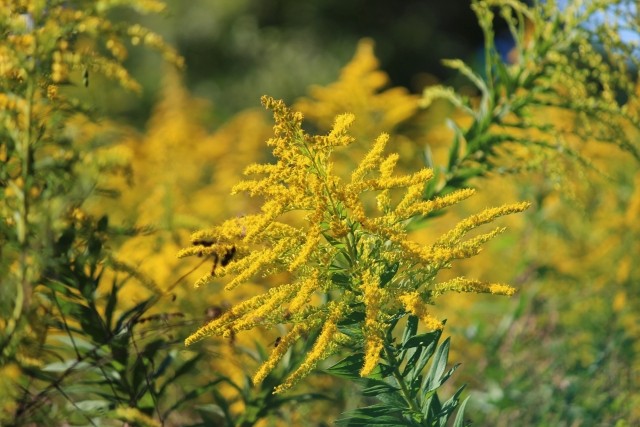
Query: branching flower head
[[338, 241]]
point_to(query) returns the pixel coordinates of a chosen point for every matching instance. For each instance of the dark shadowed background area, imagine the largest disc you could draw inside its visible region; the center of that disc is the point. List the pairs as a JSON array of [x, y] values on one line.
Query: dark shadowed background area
[[238, 50]]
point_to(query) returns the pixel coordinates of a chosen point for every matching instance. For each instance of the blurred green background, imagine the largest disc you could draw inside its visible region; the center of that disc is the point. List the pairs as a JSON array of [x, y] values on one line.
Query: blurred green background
[[237, 50]]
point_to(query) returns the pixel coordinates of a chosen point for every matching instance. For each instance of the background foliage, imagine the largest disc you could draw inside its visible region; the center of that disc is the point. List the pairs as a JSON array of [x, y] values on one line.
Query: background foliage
[[125, 178]]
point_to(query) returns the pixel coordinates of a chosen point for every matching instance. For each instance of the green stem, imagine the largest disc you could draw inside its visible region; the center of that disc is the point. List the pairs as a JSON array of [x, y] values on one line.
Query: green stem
[[404, 390]]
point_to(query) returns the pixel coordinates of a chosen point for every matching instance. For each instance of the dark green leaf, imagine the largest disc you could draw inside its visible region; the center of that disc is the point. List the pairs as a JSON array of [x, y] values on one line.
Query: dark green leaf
[[166, 362], [133, 313], [341, 279], [459, 421], [395, 400], [91, 323], [193, 394], [422, 340], [449, 406], [333, 241], [438, 366], [375, 415], [388, 274], [110, 307], [103, 223], [349, 367], [454, 150], [378, 387]]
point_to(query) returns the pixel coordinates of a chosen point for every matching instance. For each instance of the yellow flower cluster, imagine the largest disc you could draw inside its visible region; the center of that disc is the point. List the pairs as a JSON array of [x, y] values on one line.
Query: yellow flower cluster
[[46, 48], [64, 39], [320, 228], [362, 90]]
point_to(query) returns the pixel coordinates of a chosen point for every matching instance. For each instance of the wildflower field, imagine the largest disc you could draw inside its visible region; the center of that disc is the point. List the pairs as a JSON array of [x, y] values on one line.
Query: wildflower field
[[283, 213]]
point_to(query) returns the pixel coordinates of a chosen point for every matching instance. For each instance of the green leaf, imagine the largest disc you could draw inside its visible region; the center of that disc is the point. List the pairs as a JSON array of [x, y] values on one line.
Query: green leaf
[[197, 392], [341, 279], [79, 342], [334, 242], [66, 366], [349, 367], [133, 314], [431, 187], [65, 241], [446, 376], [466, 71], [431, 408], [92, 405], [418, 349], [395, 400], [120, 350], [423, 340], [374, 415], [210, 414], [185, 368], [110, 307], [454, 150], [410, 330], [427, 157], [459, 421], [103, 223], [378, 387], [166, 362], [449, 406], [388, 274], [415, 365], [91, 323], [432, 380]]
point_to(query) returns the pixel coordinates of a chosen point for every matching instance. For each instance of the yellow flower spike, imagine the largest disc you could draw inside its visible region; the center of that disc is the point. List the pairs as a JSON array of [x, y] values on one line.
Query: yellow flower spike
[[362, 90], [263, 259], [267, 313], [383, 201], [322, 347], [274, 297], [388, 165], [373, 347], [371, 160], [341, 125], [412, 196], [409, 206], [465, 249], [501, 289], [134, 416], [415, 305], [313, 239], [479, 219], [285, 342], [374, 299], [308, 287], [461, 284], [338, 227]]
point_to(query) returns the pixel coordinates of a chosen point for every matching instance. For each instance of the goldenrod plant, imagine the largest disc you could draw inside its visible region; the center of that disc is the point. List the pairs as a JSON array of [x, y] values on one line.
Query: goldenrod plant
[[332, 269], [509, 132], [571, 78], [55, 151], [564, 105], [354, 269], [48, 49]]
